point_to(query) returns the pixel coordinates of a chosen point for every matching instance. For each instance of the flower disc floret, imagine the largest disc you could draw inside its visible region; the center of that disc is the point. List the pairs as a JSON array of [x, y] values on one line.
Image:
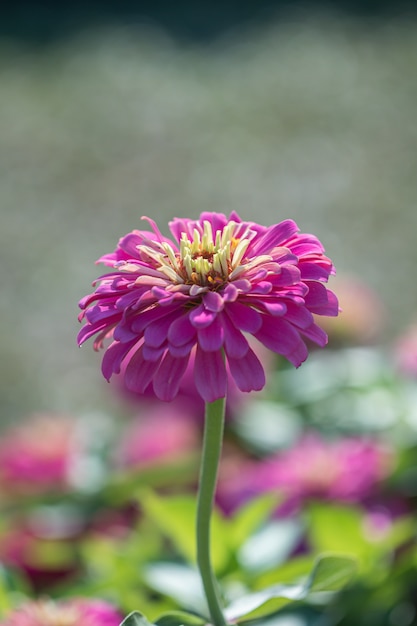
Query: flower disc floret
[[200, 295]]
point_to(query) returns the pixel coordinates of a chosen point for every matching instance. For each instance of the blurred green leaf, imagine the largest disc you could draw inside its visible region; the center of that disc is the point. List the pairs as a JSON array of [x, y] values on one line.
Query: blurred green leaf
[[162, 474], [249, 517], [5, 601], [288, 572], [175, 516], [177, 581], [330, 573], [265, 602], [270, 545], [337, 528], [179, 618], [135, 619]]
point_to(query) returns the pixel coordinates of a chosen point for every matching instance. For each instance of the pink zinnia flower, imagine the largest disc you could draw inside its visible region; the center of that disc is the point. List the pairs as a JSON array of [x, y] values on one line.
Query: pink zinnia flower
[[345, 470], [160, 436], [73, 612], [35, 455], [218, 279]]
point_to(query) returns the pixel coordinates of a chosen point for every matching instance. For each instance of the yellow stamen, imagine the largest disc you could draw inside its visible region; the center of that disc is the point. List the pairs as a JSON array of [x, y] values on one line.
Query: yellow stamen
[[206, 260]]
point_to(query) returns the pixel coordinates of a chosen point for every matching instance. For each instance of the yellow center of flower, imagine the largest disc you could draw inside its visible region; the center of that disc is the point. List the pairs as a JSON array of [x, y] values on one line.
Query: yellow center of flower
[[206, 260]]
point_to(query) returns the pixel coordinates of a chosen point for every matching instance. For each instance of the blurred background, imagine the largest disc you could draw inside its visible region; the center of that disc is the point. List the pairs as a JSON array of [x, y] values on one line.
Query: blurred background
[[114, 110], [275, 109]]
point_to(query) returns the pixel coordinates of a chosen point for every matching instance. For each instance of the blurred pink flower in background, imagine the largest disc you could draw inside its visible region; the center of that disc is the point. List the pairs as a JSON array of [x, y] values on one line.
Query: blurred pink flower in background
[[36, 454], [363, 315], [165, 433], [346, 470], [405, 352], [73, 612], [216, 280]]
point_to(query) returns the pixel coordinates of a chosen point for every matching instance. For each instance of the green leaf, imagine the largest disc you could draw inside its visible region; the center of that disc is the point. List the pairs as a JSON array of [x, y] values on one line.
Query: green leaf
[[340, 529], [330, 573], [175, 516], [265, 602], [135, 619], [12, 583], [270, 546], [180, 618], [180, 582], [297, 568], [5, 603], [249, 517], [163, 474]]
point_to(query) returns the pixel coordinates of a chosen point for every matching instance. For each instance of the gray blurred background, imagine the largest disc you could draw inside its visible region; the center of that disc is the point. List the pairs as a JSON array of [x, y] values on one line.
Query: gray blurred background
[[308, 113]]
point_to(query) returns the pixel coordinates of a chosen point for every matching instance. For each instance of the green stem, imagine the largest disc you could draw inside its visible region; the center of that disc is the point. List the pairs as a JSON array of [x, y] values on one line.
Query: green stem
[[212, 446]]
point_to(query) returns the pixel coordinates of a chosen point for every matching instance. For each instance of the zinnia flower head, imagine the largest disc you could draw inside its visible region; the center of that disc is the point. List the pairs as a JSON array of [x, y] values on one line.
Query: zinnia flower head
[[218, 279], [74, 612], [161, 435], [36, 454], [346, 470]]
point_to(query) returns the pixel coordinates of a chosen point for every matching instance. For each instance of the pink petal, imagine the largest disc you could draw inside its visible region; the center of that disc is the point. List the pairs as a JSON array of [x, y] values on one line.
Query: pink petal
[[217, 220], [129, 244], [281, 337], [153, 354], [316, 334], [211, 338], [235, 343], [314, 271], [156, 333], [143, 318], [168, 377], [289, 275], [298, 315], [230, 293], [181, 331], [263, 287], [275, 308], [113, 358], [183, 350], [210, 375], [200, 317], [247, 372], [213, 301], [244, 317], [139, 372], [274, 236], [124, 334], [306, 244], [320, 300], [89, 330]]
